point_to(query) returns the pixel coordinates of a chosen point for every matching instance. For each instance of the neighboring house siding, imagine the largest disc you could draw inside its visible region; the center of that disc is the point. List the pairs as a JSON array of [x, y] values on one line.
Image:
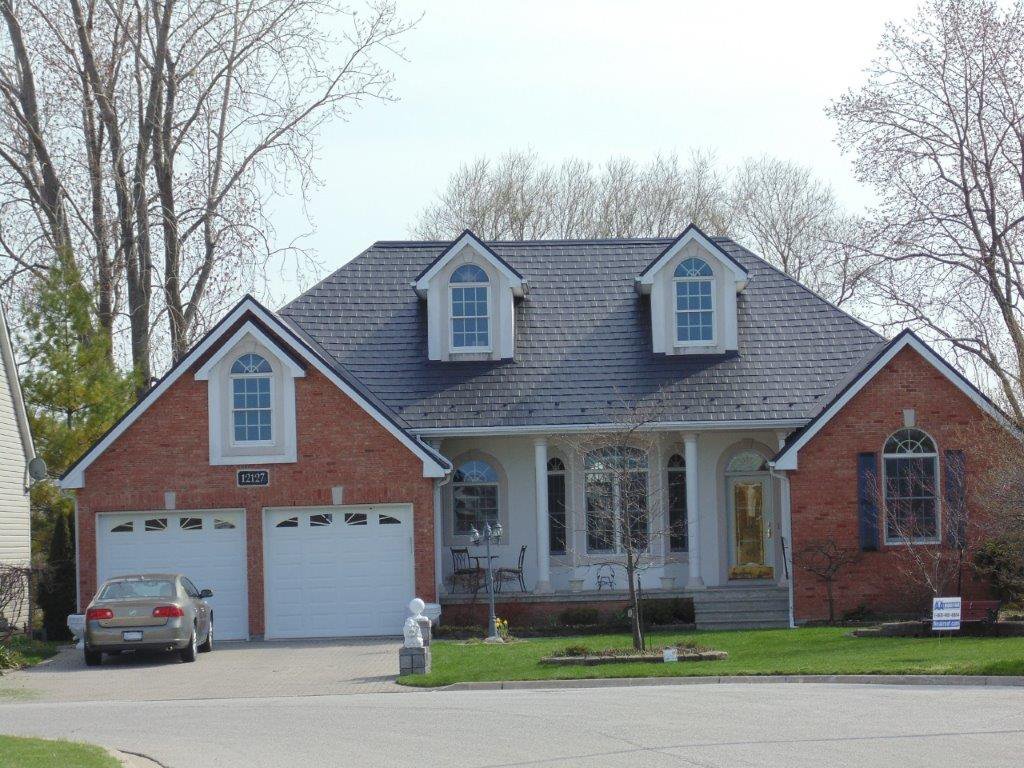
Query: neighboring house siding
[[339, 444], [824, 488], [15, 536]]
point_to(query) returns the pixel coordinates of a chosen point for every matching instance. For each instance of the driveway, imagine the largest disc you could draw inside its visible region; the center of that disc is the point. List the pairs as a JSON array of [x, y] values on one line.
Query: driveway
[[724, 725], [234, 670]]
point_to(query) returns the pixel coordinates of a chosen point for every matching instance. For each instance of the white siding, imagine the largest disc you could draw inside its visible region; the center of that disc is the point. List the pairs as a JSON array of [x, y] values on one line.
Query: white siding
[[14, 503]]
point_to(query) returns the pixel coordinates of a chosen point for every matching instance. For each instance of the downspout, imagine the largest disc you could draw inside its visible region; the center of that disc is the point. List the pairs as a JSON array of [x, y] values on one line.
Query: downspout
[[787, 536]]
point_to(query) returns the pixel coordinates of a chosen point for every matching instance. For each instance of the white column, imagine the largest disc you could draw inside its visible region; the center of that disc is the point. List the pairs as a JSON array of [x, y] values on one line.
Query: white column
[[787, 535], [540, 468], [692, 512], [438, 531]]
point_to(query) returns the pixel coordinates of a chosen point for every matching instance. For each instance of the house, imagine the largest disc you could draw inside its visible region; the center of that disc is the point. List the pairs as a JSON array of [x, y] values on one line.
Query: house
[[317, 466], [16, 451]]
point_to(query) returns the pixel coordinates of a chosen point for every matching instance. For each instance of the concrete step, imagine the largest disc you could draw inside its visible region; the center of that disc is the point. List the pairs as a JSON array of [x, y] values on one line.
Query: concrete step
[[741, 606]]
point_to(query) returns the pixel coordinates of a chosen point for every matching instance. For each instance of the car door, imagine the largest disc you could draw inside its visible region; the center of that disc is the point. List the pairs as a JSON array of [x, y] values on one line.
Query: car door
[[202, 610]]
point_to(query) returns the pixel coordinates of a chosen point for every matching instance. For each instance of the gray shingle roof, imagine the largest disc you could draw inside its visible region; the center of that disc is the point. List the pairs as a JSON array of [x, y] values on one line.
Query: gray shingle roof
[[583, 341]]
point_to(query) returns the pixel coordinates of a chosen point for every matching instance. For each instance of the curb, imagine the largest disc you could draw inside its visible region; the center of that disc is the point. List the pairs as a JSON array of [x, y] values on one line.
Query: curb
[[134, 760], [623, 682]]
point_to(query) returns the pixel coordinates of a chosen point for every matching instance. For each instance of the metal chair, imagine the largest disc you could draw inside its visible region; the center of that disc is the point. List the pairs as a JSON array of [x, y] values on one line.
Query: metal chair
[[511, 574], [462, 571]]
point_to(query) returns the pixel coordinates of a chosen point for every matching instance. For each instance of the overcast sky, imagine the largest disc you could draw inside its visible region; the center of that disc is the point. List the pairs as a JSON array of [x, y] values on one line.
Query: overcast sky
[[590, 79]]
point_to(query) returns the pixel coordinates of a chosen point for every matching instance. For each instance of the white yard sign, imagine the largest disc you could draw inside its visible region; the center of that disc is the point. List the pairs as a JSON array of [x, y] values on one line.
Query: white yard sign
[[945, 614]]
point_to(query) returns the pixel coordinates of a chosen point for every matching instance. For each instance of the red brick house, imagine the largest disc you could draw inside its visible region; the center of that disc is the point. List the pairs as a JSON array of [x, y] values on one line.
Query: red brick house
[[318, 466]]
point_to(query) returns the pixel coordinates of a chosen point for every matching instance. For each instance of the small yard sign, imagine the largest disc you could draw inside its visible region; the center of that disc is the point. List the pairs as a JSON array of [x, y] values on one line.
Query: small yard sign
[[253, 477], [670, 654], [945, 614]]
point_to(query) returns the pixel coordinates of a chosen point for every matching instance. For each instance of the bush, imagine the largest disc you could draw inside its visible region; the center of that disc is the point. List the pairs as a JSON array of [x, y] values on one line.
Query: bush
[[580, 617], [860, 613], [675, 610], [8, 659], [1001, 561], [574, 650]]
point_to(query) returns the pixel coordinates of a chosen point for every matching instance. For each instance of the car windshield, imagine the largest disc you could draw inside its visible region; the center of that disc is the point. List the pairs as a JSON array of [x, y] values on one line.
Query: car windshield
[[136, 589]]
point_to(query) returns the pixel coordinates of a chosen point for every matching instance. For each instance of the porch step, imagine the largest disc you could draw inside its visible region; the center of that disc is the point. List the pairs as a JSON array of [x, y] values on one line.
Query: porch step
[[741, 608]]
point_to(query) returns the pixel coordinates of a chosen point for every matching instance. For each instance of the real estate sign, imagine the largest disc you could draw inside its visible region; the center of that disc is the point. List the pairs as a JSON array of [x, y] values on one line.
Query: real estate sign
[[945, 614]]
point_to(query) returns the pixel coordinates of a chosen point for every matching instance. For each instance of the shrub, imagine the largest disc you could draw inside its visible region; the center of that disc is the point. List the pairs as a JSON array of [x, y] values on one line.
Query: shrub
[[675, 610], [1001, 561], [860, 613], [8, 659], [580, 617], [574, 650]]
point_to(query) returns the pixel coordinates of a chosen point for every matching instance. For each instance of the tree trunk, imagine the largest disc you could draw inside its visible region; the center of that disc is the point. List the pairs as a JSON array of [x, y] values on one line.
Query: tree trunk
[[634, 602]]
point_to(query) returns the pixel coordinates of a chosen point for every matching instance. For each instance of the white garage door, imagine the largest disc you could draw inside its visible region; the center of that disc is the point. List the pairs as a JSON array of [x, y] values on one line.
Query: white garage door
[[207, 547], [339, 571]]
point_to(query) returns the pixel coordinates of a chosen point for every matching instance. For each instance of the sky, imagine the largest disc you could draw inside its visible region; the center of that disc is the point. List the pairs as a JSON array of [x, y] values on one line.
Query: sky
[[586, 79]]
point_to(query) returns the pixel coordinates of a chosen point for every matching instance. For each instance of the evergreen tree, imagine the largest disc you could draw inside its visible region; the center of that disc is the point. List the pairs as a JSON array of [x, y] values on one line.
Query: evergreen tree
[[57, 586]]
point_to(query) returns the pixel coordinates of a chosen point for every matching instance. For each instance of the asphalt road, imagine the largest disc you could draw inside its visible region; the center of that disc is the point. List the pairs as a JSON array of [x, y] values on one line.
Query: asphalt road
[[702, 725]]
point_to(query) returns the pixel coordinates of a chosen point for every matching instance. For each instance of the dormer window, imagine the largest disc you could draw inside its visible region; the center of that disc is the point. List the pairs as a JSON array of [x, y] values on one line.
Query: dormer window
[[695, 303], [470, 315], [251, 410]]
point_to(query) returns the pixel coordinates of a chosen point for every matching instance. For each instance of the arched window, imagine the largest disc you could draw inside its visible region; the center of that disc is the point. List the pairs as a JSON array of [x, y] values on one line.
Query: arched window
[[556, 506], [616, 494], [745, 462], [677, 536], [470, 314], [474, 496], [911, 481], [251, 409], [695, 302]]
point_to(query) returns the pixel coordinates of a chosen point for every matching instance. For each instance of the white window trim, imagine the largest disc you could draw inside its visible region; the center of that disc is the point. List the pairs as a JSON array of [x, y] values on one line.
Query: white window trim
[[232, 377], [617, 550], [451, 319], [923, 541], [676, 312]]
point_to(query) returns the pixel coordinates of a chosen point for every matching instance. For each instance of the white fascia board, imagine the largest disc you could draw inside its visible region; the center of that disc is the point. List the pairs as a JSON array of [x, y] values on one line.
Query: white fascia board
[[76, 477], [692, 234], [249, 329], [787, 460], [14, 382], [517, 283], [659, 426]]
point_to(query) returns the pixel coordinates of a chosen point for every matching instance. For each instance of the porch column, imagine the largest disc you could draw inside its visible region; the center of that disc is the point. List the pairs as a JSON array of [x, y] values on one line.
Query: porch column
[[438, 529], [692, 513], [540, 468]]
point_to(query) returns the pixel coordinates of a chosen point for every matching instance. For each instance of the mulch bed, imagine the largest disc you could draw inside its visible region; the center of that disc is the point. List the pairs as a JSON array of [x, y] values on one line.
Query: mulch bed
[[627, 656]]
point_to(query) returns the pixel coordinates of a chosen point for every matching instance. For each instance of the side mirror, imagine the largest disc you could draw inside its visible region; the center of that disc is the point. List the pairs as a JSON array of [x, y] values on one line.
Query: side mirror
[[205, 593]]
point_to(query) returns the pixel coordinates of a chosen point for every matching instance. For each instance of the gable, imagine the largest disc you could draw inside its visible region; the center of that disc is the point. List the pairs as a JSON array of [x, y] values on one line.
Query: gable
[[466, 246], [693, 241], [906, 348]]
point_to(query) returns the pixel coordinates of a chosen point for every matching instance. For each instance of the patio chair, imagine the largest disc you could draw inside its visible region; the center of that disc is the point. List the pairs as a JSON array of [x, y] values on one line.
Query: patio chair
[[462, 571], [511, 574]]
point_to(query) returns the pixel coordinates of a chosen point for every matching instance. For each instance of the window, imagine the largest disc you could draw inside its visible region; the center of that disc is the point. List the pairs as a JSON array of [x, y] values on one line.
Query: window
[[556, 506], [677, 536], [695, 302], [911, 483], [190, 589], [222, 525], [616, 496], [388, 520], [745, 462], [474, 496], [156, 524], [288, 522], [190, 523], [469, 312], [250, 393], [320, 520], [355, 518], [127, 527]]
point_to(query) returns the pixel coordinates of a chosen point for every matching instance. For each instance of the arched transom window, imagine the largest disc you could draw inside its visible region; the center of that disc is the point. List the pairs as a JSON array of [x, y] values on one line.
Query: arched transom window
[[616, 497], [470, 311], [251, 408], [474, 496], [911, 482], [695, 302], [745, 462]]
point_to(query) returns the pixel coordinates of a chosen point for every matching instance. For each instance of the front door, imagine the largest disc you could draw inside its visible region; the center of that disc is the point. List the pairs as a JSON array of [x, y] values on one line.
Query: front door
[[751, 534]]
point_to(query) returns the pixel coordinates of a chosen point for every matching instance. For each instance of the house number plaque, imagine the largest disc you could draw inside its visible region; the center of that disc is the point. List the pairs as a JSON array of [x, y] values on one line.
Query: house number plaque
[[247, 477]]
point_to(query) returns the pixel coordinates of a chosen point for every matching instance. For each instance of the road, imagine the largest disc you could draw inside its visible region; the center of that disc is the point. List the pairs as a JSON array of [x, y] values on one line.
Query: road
[[695, 725]]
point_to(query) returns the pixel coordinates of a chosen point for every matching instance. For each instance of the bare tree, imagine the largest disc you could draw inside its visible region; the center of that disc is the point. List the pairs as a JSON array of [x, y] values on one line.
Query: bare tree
[[937, 130], [826, 559], [14, 586], [150, 136], [625, 516]]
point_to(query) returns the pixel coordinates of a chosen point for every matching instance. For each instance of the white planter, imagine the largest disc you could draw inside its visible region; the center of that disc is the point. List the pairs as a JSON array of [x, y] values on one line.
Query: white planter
[[668, 582], [575, 585]]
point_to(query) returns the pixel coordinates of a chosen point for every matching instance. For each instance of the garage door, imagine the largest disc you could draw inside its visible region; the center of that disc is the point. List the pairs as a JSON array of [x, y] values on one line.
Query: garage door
[[207, 547], [340, 571]]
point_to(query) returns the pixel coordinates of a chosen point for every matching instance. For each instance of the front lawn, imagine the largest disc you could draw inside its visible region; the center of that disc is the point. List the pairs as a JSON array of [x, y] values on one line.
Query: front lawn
[[16, 752], [26, 653], [809, 651]]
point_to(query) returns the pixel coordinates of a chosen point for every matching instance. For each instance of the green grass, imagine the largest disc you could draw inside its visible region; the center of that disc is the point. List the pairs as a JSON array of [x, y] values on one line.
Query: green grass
[[16, 752], [27, 653], [811, 651]]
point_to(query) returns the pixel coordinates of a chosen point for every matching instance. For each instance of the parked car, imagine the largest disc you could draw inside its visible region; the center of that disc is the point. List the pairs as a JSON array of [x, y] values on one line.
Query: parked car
[[153, 612]]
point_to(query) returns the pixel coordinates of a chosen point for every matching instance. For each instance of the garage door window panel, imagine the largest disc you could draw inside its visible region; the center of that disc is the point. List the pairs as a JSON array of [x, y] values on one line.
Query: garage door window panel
[[156, 524], [127, 527]]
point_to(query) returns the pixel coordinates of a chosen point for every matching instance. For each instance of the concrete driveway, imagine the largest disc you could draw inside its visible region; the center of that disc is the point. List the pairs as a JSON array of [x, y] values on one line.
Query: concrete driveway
[[724, 725], [234, 670]]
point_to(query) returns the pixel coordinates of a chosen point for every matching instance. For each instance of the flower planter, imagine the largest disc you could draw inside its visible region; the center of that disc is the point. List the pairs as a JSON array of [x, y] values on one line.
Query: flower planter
[[651, 658]]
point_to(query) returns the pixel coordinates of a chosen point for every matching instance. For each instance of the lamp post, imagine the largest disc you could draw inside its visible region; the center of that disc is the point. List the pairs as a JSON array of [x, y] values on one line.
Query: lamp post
[[489, 534]]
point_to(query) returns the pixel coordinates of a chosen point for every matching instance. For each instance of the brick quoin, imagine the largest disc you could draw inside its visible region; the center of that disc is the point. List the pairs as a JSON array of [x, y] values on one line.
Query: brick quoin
[[824, 488], [167, 449]]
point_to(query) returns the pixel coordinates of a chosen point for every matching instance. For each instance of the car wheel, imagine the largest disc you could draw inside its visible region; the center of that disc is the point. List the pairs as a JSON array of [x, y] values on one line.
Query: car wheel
[[188, 653], [207, 645], [93, 658]]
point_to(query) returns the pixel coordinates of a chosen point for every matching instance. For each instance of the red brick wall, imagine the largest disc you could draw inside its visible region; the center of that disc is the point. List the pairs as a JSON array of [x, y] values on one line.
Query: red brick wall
[[167, 449], [824, 489]]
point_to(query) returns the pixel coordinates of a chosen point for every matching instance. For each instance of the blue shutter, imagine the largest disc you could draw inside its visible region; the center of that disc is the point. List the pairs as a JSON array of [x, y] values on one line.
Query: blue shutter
[[956, 500], [867, 500]]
